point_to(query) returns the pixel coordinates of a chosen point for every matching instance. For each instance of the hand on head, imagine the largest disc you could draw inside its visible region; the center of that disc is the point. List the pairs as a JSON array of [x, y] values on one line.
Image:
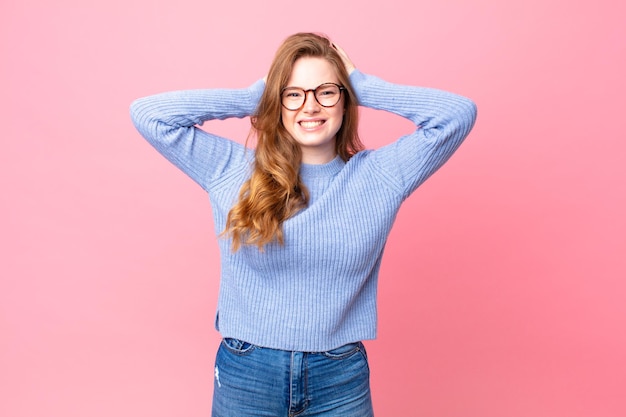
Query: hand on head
[[345, 58], [347, 62]]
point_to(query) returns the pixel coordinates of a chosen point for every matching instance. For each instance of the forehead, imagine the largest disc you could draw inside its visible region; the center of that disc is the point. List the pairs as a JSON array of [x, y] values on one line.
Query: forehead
[[309, 72]]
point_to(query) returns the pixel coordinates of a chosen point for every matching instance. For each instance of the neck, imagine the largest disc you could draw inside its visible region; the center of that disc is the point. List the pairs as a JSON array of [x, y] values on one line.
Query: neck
[[316, 156]]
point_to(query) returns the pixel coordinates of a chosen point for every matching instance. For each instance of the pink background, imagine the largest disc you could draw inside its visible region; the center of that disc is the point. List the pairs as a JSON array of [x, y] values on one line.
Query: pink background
[[502, 290]]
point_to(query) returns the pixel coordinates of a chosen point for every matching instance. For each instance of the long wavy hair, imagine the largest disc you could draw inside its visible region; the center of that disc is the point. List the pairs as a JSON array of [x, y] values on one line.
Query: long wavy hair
[[275, 191]]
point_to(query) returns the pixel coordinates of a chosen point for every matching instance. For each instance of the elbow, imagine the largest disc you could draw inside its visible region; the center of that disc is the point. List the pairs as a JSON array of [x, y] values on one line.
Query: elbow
[[474, 112], [470, 111], [143, 120], [136, 111], [462, 118], [143, 117], [467, 113]]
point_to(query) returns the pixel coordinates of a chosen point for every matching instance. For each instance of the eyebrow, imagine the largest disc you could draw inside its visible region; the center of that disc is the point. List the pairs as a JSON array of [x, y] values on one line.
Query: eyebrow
[[311, 89]]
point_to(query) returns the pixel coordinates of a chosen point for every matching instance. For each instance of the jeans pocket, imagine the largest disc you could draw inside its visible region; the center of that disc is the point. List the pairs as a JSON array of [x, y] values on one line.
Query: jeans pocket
[[237, 347], [344, 351]]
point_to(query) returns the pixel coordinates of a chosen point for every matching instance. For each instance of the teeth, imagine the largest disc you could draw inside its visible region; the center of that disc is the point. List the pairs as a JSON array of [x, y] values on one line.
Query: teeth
[[308, 125]]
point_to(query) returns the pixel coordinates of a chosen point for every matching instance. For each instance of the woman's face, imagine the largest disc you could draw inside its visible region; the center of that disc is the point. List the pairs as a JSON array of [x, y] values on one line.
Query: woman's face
[[313, 126]]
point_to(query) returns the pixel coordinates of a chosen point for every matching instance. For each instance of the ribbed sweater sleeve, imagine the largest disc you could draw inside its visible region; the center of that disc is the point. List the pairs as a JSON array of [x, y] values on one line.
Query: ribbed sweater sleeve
[[442, 121], [169, 122]]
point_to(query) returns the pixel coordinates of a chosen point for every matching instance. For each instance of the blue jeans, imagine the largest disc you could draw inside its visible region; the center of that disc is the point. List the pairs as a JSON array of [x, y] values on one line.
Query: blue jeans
[[255, 381]]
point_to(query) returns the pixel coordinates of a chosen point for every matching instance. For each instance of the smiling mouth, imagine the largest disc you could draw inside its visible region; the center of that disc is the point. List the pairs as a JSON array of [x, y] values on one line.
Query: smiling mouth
[[311, 124]]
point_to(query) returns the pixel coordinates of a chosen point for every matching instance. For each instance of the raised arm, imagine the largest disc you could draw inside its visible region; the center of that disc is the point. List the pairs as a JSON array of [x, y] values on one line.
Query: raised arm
[[168, 121], [442, 121]]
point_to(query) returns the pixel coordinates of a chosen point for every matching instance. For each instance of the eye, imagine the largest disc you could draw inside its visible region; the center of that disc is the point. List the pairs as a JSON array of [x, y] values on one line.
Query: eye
[[292, 93], [327, 91]]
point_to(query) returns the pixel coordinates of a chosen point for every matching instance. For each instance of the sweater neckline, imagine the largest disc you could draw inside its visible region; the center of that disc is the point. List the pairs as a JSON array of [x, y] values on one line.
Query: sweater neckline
[[329, 169]]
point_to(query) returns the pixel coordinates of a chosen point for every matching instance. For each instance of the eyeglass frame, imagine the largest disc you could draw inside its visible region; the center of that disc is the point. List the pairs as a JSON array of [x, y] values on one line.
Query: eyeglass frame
[[306, 95]]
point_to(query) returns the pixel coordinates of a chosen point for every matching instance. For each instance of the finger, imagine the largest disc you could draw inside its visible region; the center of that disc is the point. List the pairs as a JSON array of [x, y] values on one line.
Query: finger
[[344, 57]]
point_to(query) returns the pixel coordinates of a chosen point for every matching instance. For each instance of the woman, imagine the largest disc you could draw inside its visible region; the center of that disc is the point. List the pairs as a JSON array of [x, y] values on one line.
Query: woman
[[304, 219]]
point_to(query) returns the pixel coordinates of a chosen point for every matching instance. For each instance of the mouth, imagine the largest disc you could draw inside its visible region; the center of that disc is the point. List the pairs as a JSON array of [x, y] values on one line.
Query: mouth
[[311, 124]]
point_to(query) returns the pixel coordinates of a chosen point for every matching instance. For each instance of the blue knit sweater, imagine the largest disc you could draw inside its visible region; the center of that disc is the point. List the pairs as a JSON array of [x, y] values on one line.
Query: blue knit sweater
[[318, 291]]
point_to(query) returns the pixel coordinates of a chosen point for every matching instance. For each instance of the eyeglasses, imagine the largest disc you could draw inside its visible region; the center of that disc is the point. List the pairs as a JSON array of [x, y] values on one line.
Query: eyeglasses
[[327, 95]]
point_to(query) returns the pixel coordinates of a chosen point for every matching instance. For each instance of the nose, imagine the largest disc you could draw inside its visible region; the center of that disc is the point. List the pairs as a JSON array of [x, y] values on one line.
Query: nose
[[310, 102]]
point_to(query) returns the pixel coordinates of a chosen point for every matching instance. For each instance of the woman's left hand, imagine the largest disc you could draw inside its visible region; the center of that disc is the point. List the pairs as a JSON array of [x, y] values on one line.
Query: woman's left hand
[[345, 58]]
